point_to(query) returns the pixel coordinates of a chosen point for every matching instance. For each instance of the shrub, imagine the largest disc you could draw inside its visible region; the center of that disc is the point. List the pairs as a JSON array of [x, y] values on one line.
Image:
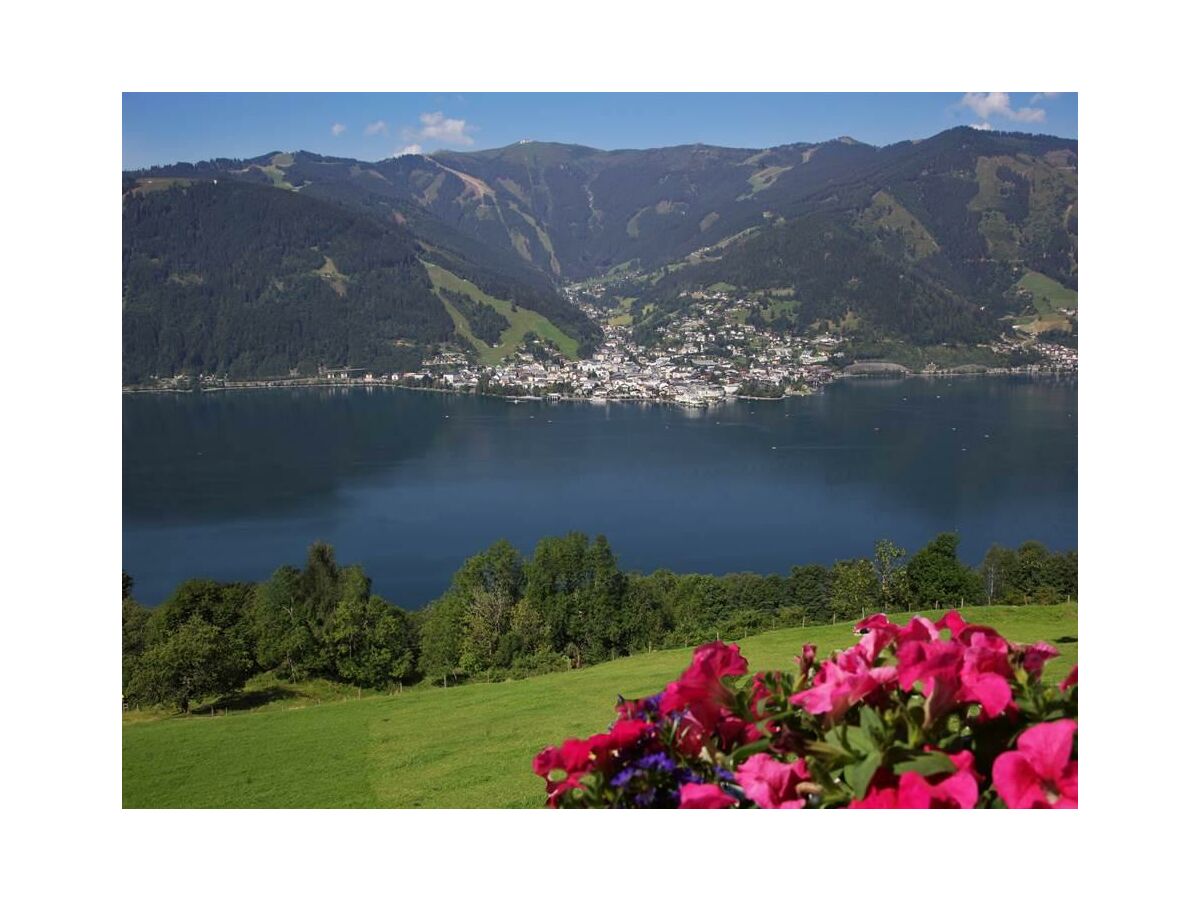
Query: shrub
[[925, 715]]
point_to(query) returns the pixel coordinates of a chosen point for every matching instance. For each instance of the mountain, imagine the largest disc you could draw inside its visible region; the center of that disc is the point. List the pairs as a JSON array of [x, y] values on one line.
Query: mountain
[[234, 276], [936, 241], [948, 239]]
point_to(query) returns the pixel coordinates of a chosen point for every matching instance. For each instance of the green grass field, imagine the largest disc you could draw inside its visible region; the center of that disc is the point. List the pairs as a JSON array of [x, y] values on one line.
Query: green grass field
[[1048, 295], [1050, 298], [149, 185], [468, 746], [520, 321]]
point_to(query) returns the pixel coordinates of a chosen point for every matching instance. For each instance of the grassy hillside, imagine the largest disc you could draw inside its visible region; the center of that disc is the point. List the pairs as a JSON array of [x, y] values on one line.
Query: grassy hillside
[[520, 320], [1049, 299], [464, 747]]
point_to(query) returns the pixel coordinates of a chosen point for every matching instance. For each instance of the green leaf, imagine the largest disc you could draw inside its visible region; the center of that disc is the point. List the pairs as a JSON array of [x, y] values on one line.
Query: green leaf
[[858, 740], [929, 764], [824, 748], [743, 753], [869, 719], [859, 775]]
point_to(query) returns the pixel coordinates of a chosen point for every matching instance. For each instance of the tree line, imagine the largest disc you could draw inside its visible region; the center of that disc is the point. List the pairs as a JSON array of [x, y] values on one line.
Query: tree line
[[507, 616]]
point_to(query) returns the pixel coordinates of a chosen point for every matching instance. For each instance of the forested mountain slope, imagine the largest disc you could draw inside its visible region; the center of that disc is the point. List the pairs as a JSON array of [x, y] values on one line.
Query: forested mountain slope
[[221, 276], [925, 241]]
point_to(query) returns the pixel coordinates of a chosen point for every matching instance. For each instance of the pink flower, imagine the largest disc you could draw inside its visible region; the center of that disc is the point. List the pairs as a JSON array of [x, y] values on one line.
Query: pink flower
[[1040, 773], [577, 757], [732, 731], [841, 683], [622, 734], [952, 620], [807, 657], [574, 758], [704, 796], [880, 633], [1035, 656], [772, 784], [971, 668], [1071, 679], [918, 629], [937, 665], [986, 671], [956, 790], [878, 797], [700, 690]]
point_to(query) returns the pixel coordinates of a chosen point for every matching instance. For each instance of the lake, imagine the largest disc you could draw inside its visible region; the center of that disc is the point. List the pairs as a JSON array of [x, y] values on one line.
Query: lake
[[230, 485]]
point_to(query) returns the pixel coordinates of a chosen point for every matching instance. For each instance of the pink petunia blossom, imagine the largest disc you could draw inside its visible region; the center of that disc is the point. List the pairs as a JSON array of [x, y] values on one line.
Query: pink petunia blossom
[[919, 629], [952, 620], [704, 796], [700, 689], [880, 633], [1040, 773], [938, 666], [1035, 656], [956, 790], [986, 672], [1071, 679], [841, 683], [772, 784]]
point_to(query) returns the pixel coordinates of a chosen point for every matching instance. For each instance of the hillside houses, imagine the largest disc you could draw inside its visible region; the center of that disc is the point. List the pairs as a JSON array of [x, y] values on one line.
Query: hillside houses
[[703, 358]]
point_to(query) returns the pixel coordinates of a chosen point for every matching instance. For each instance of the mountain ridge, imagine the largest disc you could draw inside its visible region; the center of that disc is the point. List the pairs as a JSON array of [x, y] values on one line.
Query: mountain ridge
[[951, 225]]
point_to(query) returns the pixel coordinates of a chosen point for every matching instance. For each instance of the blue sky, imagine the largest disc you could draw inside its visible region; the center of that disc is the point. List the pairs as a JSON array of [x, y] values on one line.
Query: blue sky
[[163, 128]]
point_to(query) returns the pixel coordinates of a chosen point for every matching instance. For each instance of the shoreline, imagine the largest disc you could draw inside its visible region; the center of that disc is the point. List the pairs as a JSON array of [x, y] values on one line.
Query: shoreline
[[272, 384]]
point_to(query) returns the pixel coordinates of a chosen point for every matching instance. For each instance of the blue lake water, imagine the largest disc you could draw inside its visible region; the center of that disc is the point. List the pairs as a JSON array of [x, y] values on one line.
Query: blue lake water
[[230, 485]]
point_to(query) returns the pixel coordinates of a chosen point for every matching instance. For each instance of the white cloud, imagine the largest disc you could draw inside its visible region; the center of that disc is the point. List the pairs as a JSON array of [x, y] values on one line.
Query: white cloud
[[436, 127], [410, 150], [982, 126], [337, 129], [998, 103], [376, 128], [1042, 95]]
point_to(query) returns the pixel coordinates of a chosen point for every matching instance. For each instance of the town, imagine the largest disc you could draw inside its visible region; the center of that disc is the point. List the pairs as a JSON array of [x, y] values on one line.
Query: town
[[708, 354]]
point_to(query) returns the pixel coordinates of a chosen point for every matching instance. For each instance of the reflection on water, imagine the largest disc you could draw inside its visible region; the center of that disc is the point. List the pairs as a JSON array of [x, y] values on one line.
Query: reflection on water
[[230, 485]]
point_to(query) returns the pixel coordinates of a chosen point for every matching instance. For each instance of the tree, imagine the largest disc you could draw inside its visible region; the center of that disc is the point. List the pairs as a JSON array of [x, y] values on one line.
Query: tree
[[442, 636], [853, 589], [134, 617], [196, 660], [600, 602], [348, 627], [369, 640], [996, 572], [644, 619], [552, 581], [1032, 568], [936, 576], [319, 586], [226, 607], [887, 560], [809, 588], [528, 627], [284, 638], [488, 621], [1062, 573], [498, 569]]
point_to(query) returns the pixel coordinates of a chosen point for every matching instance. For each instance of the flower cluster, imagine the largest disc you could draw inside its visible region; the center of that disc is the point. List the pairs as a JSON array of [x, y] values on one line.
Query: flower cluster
[[926, 715]]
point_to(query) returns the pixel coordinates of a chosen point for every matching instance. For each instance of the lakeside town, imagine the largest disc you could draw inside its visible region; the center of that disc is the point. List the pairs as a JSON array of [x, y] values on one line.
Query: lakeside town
[[710, 354]]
